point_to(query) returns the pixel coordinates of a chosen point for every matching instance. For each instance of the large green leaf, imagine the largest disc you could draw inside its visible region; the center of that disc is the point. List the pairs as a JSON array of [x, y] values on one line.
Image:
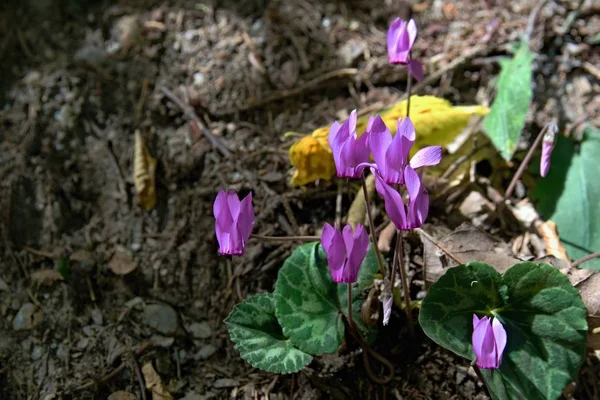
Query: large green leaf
[[506, 119], [254, 329], [570, 195], [310, 306], [544, 318]]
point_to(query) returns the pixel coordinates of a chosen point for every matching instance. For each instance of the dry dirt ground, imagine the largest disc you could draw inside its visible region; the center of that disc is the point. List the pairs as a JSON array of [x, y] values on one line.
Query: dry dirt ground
[[80, 77]]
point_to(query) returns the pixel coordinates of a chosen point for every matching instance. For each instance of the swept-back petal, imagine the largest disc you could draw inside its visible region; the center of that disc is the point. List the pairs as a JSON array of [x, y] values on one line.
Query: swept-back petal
[[246, 218], [380, 139], [427, 156], [406, 130], [333, 244], [394, 206], [500, 339], [415, 68], [411, 29]]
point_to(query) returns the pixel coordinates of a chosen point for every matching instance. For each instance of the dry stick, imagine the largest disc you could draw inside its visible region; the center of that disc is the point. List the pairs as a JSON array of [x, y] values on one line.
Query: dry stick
[[286, 238], [371, 224], [439, 246], [527, 158], [191, 114], [585, 259], [368, 350]]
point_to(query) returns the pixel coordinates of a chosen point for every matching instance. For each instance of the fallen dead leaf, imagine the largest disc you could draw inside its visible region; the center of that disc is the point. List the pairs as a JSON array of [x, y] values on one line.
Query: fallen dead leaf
[[466, 243], [122, 263], [549, 234], [122, 395], [144, 170], [154, 383], [46, 277]]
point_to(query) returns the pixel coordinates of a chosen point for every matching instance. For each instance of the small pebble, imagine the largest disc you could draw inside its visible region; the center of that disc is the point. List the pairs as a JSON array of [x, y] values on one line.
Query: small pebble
[[161, 318], [37, 353], [200, 330], [205, 352], [225, 383]]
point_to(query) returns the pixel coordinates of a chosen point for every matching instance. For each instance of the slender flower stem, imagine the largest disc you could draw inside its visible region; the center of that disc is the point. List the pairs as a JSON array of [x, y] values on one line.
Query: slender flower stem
[[372, 225], [585, 259], [350, 318], [286, 238], [367, 350], [527, 159], [404, 276]]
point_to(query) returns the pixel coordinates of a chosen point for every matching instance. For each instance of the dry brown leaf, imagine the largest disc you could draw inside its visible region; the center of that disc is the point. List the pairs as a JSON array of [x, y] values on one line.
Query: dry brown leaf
[[46, 277], [121, 263], [466, 243], [154, 383], [384, 243], [144, 170], [122, 395], [549, 234]]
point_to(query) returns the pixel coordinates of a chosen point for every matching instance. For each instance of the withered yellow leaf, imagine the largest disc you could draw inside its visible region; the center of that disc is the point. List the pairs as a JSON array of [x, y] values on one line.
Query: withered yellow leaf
[[144, 170], [436, 121]]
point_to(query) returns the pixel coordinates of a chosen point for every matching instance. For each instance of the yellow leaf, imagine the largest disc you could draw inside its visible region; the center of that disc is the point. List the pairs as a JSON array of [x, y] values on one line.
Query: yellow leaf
[[436, 121], [144, 170]]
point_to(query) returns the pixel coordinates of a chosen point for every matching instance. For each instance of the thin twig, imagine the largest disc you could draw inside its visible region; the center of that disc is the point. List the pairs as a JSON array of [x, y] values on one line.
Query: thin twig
[[532, 17], [286, 238], [587, 258], [439, 246], [372, 225], [281, 95], [527, 159], [191, 114]]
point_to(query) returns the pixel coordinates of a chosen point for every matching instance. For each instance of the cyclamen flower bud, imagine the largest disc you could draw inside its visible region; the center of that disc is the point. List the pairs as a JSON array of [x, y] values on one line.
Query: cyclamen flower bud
[[489, 341], [345, 251], [547, 147], [234, 220]]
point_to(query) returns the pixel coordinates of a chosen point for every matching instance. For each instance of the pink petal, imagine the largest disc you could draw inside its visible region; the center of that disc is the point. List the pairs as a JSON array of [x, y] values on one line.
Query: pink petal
[[415, 68], [500, 338], [406, 130], [411, 28], [380, 139], [333, 244], [352, 123], [427, 156], [246, 217], [387, 309], [394, 206], [547, 147], [488, 348]]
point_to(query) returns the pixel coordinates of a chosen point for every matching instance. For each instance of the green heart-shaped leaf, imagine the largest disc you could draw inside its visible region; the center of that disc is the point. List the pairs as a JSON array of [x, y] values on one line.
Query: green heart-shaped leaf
[[544, 318], [257, 335], [310, 306]]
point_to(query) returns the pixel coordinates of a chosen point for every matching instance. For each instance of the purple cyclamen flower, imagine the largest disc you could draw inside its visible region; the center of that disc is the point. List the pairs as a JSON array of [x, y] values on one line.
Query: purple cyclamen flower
[[348, 149], [489, 341], [345, 251], [391, 154], [400, 39], [404, 217], [234, 220], [547, 147]]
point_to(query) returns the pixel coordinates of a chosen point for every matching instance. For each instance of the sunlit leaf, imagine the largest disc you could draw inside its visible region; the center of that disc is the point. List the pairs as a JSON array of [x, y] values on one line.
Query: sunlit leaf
[[506, 119]]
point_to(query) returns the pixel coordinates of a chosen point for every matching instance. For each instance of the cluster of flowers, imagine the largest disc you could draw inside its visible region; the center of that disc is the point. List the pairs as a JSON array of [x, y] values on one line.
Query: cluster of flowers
[[392, 168]]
